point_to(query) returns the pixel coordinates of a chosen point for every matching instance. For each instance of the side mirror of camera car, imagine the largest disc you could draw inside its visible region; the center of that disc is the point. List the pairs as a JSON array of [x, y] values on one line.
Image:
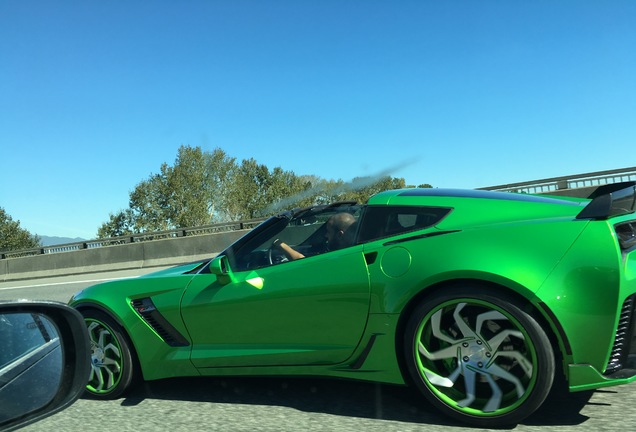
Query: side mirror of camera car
[[44, 360]]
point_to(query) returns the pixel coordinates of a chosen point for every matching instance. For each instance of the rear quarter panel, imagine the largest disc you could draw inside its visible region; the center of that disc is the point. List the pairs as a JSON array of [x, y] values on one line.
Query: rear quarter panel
[[517, 256], [586, 291]]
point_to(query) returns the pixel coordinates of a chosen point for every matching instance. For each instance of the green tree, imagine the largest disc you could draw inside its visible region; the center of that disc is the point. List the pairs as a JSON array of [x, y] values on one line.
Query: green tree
[[250, 191], [13, 237], [219, 171], [118, 224], [191, 192], [187, 190], [149, 201], [177, 197], [206, 187], [255, 191], [286, 190]]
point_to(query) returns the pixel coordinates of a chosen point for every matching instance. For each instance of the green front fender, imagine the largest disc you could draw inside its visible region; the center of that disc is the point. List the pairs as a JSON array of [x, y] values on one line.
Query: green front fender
[[156, 358]]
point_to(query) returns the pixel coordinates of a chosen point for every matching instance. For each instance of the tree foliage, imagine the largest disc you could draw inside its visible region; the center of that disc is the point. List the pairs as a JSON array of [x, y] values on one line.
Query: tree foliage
[[13, 237], [208, 187]]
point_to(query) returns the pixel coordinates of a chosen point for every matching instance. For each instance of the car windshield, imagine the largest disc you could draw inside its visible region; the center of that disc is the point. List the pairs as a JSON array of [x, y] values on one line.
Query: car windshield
[[306, 231]]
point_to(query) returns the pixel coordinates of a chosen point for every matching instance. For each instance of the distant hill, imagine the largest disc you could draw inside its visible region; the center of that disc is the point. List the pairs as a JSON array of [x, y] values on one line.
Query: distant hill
[[51, 241]]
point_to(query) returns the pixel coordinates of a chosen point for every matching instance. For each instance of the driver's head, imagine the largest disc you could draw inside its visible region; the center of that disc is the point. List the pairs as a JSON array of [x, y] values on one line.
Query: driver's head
[[337, 226]]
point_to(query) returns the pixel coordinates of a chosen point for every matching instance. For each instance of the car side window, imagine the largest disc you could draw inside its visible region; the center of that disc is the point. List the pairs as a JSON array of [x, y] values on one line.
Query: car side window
[[385, 221], [307, 232]]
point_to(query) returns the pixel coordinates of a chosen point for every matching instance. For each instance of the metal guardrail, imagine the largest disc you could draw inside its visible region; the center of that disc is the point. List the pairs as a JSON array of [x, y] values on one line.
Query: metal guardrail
[[568, 182], [134, 238]]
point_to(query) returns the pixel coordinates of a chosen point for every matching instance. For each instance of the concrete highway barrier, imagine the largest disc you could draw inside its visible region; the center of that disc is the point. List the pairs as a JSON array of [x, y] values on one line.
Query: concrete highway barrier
[[171, 251]]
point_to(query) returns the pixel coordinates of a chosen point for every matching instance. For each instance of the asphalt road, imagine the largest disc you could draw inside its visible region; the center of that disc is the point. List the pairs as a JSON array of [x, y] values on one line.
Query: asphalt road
[[292, 404]]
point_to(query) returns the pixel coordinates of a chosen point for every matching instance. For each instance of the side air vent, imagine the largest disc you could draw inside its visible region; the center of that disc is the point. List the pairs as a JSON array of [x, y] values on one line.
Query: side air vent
[[626, 233], [148, 311], [623, 341]]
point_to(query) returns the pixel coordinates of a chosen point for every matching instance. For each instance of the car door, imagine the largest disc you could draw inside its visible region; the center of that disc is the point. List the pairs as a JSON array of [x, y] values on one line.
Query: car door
[[305, 312]]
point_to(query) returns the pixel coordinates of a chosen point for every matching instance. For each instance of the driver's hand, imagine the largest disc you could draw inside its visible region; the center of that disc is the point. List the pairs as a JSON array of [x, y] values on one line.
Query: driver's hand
[[291, 253]]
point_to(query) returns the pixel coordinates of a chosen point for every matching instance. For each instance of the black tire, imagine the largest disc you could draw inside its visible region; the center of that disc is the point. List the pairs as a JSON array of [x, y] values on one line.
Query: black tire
[[112, 361], [477, 356]]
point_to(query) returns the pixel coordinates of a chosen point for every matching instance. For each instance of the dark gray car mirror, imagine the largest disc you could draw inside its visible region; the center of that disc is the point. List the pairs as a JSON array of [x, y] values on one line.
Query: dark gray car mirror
[[44, 360]]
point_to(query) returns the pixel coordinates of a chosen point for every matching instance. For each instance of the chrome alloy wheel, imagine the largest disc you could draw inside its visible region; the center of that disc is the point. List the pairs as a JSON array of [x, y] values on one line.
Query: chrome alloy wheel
[[106, 359], [479, 355], [478, 360]]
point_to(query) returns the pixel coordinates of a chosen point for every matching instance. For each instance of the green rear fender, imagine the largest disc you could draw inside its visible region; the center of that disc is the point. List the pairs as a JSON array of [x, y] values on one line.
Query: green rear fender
[[585, 292], [519, 257]]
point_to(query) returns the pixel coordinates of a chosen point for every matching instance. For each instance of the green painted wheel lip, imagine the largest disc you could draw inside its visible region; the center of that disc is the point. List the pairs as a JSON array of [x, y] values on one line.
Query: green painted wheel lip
[[465, 357], [106, 360]]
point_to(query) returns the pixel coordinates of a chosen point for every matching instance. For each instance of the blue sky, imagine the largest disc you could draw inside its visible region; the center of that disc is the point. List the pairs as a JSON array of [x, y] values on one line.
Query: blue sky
[[96, 95]]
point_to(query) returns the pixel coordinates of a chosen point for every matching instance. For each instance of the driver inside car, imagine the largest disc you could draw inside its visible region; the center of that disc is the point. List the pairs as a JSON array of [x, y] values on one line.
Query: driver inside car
[[338, 234]]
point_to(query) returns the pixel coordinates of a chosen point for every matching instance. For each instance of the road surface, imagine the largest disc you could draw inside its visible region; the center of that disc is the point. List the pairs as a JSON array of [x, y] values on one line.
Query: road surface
[[292, 404]]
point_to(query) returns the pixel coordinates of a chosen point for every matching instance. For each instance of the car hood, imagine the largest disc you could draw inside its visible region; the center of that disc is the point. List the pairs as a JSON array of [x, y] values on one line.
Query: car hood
[[177, 270], [112, 292]]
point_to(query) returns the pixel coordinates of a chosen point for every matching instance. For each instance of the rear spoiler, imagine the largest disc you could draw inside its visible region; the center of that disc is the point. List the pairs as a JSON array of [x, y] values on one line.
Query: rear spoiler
[[610, 200]]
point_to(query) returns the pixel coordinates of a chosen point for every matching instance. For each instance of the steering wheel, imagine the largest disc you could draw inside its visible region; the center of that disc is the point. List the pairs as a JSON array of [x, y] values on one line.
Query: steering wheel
[[275, 255]]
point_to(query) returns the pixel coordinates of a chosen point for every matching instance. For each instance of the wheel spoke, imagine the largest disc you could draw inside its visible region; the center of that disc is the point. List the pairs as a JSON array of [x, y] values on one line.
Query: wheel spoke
[[495, 401], [111, 362], [469, 382], [496, 342], [523, 362], [450, 352], [113, 348], [496, 371], [436, 320], [110, 378], [488, 316], [463, 327], [102, 334], [96, 375], [440, 380]]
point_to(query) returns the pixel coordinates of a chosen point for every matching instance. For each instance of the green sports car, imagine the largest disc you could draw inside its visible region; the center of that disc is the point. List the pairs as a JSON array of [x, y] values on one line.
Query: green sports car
[[484, 301]]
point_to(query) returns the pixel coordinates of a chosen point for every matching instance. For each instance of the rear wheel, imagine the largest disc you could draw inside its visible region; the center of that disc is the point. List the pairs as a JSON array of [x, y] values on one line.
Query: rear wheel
[[478, 356], [112, 362]]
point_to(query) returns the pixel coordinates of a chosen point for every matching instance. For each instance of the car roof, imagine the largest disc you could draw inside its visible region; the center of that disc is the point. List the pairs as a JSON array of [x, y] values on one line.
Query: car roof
[[478, 207], [426, 196]]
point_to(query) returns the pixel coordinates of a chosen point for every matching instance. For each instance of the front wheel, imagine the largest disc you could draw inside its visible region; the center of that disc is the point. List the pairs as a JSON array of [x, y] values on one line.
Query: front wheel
[[478, 356], [112, 362]]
